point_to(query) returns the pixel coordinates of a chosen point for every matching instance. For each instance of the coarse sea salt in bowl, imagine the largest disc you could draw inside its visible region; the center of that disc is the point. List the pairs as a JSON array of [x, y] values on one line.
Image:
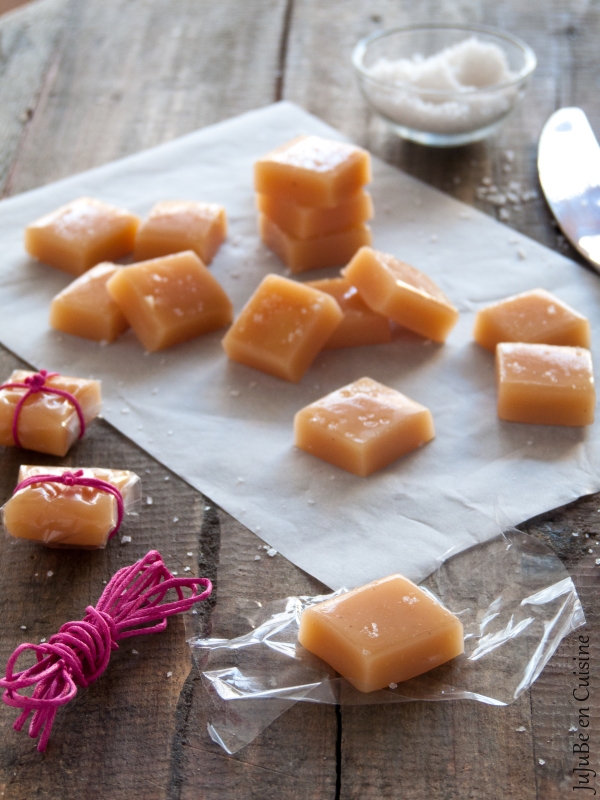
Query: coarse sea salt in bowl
[[443, 85]]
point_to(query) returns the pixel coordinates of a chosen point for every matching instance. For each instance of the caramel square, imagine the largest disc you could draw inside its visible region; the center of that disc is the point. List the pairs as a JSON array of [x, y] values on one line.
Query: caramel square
[[385, 632], [176, 225], [81, 234], [85, 308], [313, 171], [545, 384], [360, 326], [170, 300], [282, 328], [402, 293], [535, 317], [362, 427]]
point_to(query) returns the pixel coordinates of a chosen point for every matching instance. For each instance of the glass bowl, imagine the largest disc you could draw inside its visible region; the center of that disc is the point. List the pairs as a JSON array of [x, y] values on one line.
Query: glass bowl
[[443, 85]]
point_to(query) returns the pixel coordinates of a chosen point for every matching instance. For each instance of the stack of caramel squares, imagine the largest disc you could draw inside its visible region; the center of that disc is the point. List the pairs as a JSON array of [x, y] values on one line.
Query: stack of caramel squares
[[312, 202]]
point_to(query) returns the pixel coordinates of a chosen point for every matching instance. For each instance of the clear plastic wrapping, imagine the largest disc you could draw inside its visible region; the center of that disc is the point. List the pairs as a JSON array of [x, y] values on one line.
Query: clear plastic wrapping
[[513, 595], [69, 516], [48, 423]]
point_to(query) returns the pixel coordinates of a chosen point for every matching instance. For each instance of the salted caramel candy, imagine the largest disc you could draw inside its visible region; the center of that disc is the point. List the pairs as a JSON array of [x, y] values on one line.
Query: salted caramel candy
[[360, 325], [385, 632], [47, 423], [313, 171], [176, 225], [536, 317], [81, 234], [402, 293], [545, 384], [328, 250], [85, 308], [69, 516], [306, 222], [170, 300], [282, 328], [362, 427]]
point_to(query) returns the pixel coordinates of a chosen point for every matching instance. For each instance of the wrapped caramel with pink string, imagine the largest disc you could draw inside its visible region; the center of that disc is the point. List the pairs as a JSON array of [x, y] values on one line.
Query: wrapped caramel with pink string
[[60, 508], [45, 411]]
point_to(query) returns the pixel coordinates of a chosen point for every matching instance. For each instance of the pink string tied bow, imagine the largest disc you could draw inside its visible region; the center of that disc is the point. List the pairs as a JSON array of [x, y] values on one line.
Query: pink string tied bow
[[77, 479], [34, 384], [131, 605]]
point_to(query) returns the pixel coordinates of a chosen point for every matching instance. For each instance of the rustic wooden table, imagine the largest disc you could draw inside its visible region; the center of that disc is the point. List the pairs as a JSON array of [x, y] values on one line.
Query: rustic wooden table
[[84, 83]]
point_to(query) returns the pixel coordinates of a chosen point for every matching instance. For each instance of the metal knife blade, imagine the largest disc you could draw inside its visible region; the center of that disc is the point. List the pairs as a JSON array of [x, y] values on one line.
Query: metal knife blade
[[569, 170]]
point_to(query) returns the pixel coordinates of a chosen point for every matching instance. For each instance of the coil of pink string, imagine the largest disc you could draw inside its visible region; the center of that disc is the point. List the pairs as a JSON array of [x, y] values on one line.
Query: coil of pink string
[[131, 605], [34, 384], [78, 479]]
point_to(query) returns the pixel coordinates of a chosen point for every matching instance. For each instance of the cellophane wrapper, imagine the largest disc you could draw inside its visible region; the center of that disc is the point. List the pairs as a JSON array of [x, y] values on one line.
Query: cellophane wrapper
[[46, 525], [513, 595]]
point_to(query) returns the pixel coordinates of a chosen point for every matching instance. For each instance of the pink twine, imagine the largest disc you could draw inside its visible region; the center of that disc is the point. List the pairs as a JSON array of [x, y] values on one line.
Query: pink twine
[[37, 383], [79, 653], [76, 479]]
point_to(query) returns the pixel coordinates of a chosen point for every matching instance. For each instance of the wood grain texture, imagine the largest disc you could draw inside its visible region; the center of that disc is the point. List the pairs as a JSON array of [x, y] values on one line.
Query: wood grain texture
[[84, 83]]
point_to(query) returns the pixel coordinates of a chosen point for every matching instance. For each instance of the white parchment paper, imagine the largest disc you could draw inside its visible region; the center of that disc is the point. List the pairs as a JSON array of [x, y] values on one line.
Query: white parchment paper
[[227, 429]]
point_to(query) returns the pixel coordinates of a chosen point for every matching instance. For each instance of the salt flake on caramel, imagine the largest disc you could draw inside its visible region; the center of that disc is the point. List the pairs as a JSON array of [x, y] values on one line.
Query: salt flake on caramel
[[362, 427], [385, 632]]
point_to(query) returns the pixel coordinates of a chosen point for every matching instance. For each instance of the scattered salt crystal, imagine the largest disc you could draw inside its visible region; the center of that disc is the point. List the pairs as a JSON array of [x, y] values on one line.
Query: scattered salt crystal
[[486, 181], [271, 552], [257, 558], [598, 561], [504, 214], [189, 553], [207, 508], [522, 254], [574, 534], [573, 728], [310, 502], [167, 478], [240, 480], [23, 627], [590, 550], [125, 539], [541, 762], [49, 573], [520, 729], [393, 685], [175, 519], [169, 674], [194, 611], [258, 527], [149, 500], [506, 168], [42, 640], [148, 471], [135, 652], [174, 573], [187, 569], [234, 393]]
